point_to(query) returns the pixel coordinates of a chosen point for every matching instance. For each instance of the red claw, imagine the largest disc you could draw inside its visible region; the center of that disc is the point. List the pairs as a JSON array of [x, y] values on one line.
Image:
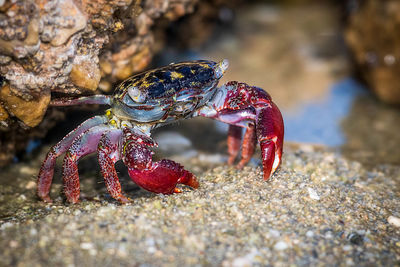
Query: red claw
[[270, 131], [158, 177], [163, 177], [250, 107]]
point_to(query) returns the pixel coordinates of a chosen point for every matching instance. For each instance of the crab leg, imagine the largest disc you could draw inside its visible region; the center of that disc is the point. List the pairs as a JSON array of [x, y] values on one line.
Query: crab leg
[[158, 177], [107, 154], [46, 172], [248, 146], [83, 145], [90, 100], [234, 140]]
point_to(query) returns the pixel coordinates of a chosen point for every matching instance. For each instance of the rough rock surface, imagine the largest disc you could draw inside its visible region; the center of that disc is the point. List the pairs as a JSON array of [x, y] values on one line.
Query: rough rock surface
[[372, 33], [319, 209]]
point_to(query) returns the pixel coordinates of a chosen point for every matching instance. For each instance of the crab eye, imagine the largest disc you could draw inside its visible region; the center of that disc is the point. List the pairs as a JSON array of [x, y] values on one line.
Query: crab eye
[[220, 68], [136, 95]]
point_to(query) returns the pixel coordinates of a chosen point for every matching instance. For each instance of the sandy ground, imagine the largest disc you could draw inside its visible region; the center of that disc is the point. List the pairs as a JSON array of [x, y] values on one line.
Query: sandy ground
[[318, 209]]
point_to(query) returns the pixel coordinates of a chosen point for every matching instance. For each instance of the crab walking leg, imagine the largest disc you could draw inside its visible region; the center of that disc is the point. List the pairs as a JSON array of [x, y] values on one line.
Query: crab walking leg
[[158, 177], [107, 154], [248, 146], [46, 172], [234, 140], [89, 100], [83, 145]]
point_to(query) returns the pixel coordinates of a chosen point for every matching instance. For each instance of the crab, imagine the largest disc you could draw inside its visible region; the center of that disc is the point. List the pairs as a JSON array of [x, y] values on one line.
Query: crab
[[154, 98]]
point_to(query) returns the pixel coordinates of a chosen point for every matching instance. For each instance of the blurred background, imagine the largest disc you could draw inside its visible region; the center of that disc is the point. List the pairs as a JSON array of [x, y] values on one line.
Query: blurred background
[[331, 66]]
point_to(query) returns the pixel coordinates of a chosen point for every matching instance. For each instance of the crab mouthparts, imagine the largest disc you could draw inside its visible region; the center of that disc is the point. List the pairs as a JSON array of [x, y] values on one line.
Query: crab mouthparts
[[220, 68]]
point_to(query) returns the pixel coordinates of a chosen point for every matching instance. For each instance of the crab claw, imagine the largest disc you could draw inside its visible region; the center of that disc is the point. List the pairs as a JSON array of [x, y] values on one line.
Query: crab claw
[[162, 177], [158, 177], [250, 107], [270, 131]]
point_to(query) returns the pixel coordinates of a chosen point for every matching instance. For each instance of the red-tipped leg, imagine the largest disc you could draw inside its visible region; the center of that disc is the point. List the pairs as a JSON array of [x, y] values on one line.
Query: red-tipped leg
[[270, 131], [46, 172], [71, 178], [45, 176], [83, 145], [107, 155]]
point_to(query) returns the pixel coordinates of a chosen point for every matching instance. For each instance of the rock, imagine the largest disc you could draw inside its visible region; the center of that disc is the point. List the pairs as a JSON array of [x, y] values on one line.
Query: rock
[[376, 58], [30, 112], [313, 194], [395, 221], [85, 73], [281, 245], [173, 142], [3, 113], [69, 21]]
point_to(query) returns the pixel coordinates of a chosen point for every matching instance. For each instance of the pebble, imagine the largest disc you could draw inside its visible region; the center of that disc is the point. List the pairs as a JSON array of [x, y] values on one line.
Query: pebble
[[33, 231], [355, 238], [246, 260], [329, 235], [6, 225], [394, 221], [13, 244], [30, 185], [313, 194], [310, 233], [347, 248], [87, 245], [28, 171], [281, 245], [212, 158], [274, 233], [172, 142]]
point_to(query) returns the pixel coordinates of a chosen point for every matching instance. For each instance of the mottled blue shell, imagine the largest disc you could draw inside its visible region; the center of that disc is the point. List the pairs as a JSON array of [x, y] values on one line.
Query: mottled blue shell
[[171, 91], [165, 81]]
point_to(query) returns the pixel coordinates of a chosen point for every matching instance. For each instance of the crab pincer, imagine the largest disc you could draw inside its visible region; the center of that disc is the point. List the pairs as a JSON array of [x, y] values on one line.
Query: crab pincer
[[244, 106]]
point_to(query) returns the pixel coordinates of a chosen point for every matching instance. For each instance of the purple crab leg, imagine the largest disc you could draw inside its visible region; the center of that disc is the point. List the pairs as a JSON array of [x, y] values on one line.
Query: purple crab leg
[[95, 99], [46, 172], [83, 145], [248, 146], [108, 152], [234, 140]]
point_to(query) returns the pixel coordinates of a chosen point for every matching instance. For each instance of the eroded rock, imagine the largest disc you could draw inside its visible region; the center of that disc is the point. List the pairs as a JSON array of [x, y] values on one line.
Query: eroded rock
[[30, 112], [372, 33]]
